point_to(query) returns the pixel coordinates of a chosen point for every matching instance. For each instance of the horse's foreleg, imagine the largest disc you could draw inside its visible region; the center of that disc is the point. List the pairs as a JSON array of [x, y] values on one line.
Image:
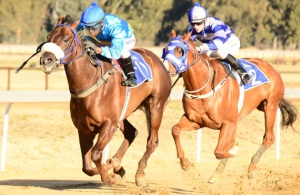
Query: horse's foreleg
[[86, 143], [183, 125], [105, 134], [226, 147], [129, 133], [219, 171]]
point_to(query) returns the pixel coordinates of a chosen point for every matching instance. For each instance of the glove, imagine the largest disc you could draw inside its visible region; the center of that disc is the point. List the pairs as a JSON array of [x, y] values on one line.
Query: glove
[[81, 34], [90, 45], [202, 47]]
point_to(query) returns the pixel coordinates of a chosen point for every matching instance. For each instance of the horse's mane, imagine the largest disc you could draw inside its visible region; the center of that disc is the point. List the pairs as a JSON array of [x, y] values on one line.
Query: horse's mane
[[68, 19]]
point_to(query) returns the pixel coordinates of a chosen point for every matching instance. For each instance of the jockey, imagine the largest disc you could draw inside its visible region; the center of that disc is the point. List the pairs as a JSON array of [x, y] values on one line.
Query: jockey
[[112, 29], [218, 39]]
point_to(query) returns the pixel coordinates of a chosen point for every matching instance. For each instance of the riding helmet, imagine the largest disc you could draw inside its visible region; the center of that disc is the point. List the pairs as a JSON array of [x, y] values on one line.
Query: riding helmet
[[92, 15], [197, 13]]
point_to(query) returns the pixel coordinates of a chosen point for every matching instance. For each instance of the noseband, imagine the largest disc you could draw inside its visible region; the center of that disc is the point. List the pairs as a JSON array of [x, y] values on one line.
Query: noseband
[[62, 60], [71, 49], [179, 62]]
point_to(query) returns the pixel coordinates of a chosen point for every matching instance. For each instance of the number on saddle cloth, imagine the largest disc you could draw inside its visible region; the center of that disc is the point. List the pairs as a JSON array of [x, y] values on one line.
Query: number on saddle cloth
[[259, 77]]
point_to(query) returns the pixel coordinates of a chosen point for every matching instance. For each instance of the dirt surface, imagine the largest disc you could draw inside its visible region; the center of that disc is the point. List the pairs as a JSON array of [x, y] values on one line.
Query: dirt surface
[[43, 157]]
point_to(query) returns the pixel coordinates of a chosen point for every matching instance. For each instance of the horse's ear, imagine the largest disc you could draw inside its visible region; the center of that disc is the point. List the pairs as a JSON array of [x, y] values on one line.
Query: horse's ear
[[60, 20], [173, 34], [187, 36]]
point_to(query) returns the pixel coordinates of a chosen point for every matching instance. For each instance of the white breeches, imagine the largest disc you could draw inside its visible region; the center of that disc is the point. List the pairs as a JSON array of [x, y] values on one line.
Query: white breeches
[[232, 46], [129, 44]]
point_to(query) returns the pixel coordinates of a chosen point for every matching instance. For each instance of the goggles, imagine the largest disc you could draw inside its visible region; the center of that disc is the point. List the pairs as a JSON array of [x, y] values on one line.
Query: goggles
[[95, 27], [197, 23]]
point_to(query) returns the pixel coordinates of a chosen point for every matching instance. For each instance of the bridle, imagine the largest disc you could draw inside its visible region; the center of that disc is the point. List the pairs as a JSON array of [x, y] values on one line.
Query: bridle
[[61, 61], [183, 61], [70, 50], [197, 57]]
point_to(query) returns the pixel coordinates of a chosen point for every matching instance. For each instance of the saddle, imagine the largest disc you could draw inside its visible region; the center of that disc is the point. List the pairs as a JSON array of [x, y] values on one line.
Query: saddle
[[259, 77], [142, 70]]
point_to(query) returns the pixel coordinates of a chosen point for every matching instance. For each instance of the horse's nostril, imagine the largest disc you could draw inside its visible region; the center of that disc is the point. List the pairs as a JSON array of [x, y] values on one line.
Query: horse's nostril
[[49, 60], [46, 61]]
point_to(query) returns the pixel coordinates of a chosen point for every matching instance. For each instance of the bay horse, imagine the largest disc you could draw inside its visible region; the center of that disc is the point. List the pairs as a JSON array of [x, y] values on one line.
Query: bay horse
[[211, 99], [97, 99]]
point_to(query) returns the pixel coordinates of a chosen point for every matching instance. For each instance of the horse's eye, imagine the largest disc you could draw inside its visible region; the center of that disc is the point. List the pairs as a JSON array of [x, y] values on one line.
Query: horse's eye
[[66, 38], [179, 52]]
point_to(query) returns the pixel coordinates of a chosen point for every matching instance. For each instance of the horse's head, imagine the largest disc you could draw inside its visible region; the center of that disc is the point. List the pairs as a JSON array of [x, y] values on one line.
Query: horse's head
[[180, 53], [63, 45]]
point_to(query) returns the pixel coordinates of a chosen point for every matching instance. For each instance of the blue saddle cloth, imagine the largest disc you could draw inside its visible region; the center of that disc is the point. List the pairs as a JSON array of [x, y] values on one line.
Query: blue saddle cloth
[[259, 77], [142, 70]]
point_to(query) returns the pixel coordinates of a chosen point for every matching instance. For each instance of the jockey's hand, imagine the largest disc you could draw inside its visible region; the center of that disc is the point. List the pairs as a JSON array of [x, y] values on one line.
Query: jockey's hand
[[202, 48], [81, 35], [90, 45]]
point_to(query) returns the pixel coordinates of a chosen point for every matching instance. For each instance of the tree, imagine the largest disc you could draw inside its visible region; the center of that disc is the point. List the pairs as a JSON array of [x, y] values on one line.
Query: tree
[[284, 21], [259, 23], [19, 20]]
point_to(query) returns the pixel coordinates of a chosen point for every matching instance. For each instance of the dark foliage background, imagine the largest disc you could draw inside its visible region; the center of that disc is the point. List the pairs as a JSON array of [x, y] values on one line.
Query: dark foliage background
[[263, 24]]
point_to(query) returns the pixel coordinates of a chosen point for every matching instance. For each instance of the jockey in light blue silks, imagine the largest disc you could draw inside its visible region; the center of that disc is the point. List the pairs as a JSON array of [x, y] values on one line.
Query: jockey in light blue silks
[[112, 29], [218, 39]]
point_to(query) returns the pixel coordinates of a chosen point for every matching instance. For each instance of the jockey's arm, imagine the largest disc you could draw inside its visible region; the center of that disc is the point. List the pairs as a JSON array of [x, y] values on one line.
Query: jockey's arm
[[115, 49]]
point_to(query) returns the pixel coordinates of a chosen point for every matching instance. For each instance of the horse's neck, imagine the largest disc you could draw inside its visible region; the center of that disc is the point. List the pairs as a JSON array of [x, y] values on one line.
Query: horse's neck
[[197, 76], [80, 74]]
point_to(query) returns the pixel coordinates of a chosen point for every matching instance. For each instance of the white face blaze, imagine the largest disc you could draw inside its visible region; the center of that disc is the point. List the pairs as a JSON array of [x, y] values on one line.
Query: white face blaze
[[57, 52], [53, 48]]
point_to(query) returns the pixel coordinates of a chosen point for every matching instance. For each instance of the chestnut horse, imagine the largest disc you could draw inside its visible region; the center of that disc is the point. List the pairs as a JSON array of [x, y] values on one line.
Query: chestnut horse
[[97, 99], [211, 99]]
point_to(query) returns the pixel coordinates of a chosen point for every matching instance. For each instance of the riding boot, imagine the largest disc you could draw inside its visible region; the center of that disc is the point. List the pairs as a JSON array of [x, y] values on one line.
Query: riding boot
[[245, 76], [129, 72]]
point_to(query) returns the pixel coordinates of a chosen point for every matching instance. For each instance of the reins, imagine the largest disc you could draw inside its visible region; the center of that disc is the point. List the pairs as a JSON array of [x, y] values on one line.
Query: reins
[[176, 80], [214, 89], [102, 79], [206, 80], [192, 64]]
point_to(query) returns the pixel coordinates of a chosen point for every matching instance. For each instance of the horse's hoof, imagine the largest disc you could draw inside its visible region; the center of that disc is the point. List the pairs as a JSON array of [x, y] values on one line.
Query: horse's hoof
[[140, 180], [250, 175], [115, 178], [213, 180], [185, 164], [251, 171]]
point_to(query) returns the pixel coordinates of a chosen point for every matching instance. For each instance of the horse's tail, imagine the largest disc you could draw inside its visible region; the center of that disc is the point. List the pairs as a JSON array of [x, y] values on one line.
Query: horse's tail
[[288, 113]]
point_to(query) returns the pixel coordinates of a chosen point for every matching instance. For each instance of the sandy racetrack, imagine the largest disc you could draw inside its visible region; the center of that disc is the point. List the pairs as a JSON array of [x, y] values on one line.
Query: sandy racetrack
[[43, 157]]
